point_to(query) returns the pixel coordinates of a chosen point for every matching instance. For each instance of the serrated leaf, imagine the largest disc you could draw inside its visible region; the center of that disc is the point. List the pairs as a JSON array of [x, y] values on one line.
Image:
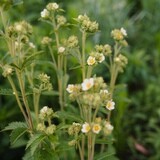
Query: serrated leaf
[[15, 125], [16, 134], [6, 92], [28, 156], [34, 142]]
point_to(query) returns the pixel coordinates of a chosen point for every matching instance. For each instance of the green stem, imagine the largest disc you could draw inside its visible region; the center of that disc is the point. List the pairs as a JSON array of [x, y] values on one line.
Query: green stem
[[83, 54], [22, 88], [36, 97], [93, 146], [80, 152], [17, 98]]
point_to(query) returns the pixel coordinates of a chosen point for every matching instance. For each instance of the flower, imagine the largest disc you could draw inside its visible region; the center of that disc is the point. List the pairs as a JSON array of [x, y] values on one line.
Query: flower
[[70, 88], [46, 40], [85, 128], [52, 6], [41, 127], [45, 13], [101, 58], [61, 49], [96, 128], [91, 60], [108, 128], [110, 105], [123, 31], [32, 45], [87, 84], [44, 110], [7, 70], [117, 34]]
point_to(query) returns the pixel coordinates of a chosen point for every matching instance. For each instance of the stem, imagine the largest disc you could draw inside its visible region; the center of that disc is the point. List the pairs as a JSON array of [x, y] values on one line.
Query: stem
[[53, 58], [36, 98], [17, 98], [89, 71], [80, 152], [93, 146], [22, 88], [83, 54]]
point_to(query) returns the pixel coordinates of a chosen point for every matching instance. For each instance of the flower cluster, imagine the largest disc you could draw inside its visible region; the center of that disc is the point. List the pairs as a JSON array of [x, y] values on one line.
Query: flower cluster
[[74, 129], [119, 34], [104, 49], [45, 115], [19, 28], [86, 24], [121, 61], [94, 58], [51, 7], [97, 126], [72, 41], [46, 40], [91, 92], [7, 70], [44, 81], [49, 14]]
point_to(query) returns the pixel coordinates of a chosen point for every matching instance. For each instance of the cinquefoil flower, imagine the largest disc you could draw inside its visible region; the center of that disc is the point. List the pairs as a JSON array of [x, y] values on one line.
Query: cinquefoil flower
[[85, 128], [87, 84]]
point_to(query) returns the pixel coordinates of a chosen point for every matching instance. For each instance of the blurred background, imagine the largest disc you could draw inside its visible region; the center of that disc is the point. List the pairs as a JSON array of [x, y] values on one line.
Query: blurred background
[[137, 116]]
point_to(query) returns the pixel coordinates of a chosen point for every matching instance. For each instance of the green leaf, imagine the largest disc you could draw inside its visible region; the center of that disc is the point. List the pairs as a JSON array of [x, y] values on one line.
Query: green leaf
[[17, 2], [104, 156], [35, 141], [29, 60], [15, 125], [28, 156], [6, 92], [70, 116], [16, 134], [104, 141]]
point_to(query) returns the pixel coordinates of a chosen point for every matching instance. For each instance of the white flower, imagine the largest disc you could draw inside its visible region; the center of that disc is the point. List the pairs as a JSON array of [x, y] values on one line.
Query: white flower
[[32, 45], [96, 128], [101, 58], [108, 126], [87, 84], [123, 31], [19, 27], [61, 49], [91, 60], [110, 105], [70, 88], [44, 110], [85, 128], [45, 13]]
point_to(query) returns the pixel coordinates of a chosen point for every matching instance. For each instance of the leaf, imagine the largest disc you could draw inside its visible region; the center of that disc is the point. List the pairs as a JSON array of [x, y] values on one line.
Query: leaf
[[29, 60], [34, 142], [17, 2], [69, 116], [103, 141], [15, 125], [104, 156], [6, 92], [28, 156], [16, 134]]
